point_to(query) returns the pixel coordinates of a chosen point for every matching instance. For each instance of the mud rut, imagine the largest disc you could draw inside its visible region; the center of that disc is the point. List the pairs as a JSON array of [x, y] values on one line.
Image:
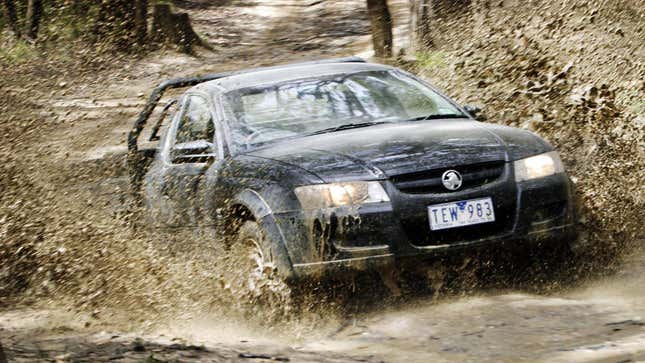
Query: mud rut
[[600, 321]]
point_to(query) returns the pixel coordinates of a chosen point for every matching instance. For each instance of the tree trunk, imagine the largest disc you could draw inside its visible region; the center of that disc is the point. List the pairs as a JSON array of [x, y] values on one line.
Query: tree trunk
[[3, 357], [381, 23], [11, 16], [141, 21], [32, 19], [174, 28], [421, 14], [116, 23], [413, 20]]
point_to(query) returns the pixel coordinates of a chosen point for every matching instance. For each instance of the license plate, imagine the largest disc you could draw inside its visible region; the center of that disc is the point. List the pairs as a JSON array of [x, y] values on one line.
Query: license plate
[[459, 214]]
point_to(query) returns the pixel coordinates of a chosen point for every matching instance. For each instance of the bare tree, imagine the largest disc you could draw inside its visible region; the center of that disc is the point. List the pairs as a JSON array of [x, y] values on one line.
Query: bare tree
[[381, 23], [121, 23], [32, 19], [141, 21], [421, 14], [124, 23], [11, 16]]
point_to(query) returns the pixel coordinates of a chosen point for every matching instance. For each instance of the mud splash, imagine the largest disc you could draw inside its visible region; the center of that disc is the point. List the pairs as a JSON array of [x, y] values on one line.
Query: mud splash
[[66, 233]]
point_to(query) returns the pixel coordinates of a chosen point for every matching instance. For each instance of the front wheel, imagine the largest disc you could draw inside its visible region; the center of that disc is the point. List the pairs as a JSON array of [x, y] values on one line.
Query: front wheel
[[252, 275]]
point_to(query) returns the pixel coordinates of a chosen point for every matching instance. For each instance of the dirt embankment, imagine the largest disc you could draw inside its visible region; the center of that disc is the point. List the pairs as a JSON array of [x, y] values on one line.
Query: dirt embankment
[[573, 73]]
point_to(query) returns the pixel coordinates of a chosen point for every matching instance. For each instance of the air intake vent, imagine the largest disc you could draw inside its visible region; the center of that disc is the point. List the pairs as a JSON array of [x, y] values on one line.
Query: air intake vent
[[429, 181]]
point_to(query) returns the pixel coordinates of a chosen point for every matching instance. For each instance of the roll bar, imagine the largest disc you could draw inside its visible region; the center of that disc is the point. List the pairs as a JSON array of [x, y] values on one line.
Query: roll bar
[[158, 92]]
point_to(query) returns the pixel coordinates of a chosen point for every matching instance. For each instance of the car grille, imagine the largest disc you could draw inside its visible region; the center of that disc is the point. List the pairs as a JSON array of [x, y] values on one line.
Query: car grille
[[429, 181]]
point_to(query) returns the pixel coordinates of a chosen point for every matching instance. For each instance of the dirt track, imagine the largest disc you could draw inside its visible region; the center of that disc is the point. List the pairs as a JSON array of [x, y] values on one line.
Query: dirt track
[[601, 320]]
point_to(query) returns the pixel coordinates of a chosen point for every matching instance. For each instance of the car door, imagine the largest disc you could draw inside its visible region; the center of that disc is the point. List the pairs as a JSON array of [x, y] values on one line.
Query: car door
[[188, 150]]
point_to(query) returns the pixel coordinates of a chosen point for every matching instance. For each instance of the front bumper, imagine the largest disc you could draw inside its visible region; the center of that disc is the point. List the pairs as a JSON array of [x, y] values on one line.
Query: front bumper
[[527, 214]]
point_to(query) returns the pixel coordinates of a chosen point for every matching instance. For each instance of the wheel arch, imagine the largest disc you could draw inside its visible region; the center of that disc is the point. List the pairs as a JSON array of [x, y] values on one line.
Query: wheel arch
[[249, 205]]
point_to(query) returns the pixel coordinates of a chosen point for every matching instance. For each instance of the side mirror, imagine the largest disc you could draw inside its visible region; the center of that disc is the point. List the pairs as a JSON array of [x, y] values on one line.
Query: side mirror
[[198, 151], [473, 110]]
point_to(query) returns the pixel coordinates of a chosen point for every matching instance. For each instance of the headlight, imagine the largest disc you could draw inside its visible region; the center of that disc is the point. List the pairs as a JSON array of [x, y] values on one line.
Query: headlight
[[340, 194], [538, 166]]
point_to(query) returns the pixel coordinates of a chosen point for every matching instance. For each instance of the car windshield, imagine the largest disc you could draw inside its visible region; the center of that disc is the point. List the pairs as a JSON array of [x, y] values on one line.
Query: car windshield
[[269, 113]]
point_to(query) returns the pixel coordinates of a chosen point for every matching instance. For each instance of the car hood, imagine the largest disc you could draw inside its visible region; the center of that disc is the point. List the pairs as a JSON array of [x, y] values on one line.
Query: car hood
[[380, 151]]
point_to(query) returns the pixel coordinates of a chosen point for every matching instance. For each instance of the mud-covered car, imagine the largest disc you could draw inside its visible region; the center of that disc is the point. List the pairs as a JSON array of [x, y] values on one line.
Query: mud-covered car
[[341, 164]]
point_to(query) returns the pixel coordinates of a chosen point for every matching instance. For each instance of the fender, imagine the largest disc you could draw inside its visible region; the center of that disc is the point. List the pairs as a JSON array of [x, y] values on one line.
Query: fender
[[264, 216]]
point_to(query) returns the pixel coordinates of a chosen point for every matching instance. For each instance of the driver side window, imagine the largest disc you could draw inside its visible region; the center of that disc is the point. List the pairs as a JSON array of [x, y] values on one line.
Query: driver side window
[[196, 122]]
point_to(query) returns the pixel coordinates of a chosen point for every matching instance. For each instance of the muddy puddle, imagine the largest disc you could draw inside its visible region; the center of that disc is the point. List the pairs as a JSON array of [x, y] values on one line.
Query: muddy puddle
[[603, 320]]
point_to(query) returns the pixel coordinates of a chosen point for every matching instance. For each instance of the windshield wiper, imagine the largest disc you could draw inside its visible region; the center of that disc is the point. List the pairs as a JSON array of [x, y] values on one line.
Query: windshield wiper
[[438, 116], [347, 127]]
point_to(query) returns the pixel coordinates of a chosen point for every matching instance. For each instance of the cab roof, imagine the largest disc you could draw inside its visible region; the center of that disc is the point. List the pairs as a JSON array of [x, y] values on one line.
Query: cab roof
[[280, 74]]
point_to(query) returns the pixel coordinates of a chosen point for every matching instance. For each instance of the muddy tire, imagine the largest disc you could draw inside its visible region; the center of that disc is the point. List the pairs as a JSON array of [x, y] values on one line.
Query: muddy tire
[[253, 276]]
